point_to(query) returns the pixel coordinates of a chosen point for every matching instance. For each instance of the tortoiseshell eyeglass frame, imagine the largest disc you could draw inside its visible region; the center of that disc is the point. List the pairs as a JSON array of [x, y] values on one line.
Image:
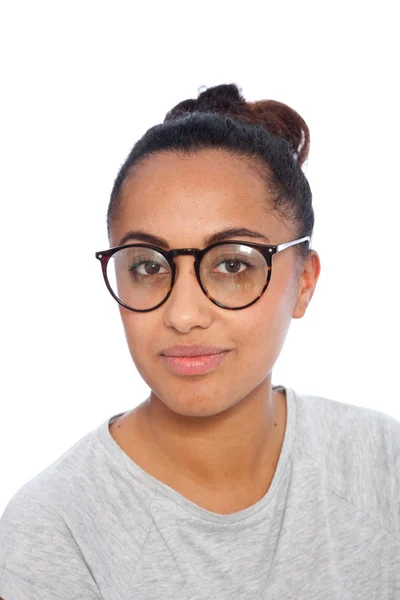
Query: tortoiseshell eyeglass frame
[[267, 252]]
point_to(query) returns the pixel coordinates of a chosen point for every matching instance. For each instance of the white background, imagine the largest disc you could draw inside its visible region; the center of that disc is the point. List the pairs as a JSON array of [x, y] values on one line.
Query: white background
[[80, 83]]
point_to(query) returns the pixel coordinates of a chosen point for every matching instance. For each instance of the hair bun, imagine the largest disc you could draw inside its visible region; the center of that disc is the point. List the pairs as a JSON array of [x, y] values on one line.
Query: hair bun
[[222, 98], [278, 118], [225, 99], [283, 121]]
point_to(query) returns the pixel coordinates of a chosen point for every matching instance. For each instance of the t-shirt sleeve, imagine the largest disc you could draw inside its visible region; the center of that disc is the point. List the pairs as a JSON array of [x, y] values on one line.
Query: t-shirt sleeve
[[396, 461], [39, 558]]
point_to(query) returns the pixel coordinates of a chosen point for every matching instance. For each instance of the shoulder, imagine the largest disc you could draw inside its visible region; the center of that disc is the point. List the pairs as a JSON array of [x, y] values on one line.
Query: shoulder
[[358, 449], [34, 525], [46, 529], [52, 486], [86, 513], [339, 420]]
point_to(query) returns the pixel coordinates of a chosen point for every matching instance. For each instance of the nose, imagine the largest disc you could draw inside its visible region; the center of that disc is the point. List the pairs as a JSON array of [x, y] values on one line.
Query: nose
[[187, 305]]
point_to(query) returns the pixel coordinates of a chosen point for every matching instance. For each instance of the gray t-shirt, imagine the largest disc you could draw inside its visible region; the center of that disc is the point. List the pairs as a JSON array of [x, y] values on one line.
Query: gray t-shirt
[[94, 525]]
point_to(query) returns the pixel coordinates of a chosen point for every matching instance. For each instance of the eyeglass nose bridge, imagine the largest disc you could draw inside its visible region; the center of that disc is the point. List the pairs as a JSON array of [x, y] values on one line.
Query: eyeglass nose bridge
[[185, 251], [196, 252]]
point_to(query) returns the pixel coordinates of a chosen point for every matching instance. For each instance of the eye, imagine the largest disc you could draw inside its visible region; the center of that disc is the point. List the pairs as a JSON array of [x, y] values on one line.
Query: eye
[[151, 267], [233, 265]]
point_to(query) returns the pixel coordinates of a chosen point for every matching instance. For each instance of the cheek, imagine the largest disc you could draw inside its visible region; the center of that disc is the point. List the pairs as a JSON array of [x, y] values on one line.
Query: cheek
[[141, 335], [256, 340], [262, 332]]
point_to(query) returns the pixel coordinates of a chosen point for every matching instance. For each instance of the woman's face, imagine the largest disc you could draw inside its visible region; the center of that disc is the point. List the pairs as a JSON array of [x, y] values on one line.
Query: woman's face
[[185, 199]]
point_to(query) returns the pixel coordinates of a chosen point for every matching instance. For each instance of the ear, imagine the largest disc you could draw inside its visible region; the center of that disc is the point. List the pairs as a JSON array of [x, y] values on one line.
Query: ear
[[307, 282]]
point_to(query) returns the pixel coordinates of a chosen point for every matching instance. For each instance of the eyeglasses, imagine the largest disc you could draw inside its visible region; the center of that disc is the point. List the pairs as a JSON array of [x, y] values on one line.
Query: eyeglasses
[[232, 274]]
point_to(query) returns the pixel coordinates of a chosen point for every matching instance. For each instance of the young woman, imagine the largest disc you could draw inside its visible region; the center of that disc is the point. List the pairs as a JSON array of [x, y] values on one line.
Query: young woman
[[219, 484]]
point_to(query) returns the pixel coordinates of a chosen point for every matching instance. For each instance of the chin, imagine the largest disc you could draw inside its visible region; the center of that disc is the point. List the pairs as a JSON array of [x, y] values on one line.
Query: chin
[[197, 404]]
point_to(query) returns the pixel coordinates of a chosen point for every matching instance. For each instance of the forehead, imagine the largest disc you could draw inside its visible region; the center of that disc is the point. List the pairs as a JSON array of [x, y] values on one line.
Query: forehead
[[185, 197]]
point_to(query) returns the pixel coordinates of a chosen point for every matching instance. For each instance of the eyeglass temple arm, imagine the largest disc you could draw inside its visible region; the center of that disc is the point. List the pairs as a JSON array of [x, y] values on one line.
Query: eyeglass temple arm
[[287, 244]]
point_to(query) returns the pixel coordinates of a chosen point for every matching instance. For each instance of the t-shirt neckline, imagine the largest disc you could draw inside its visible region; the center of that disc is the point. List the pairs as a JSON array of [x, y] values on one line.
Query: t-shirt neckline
[[126, 465]]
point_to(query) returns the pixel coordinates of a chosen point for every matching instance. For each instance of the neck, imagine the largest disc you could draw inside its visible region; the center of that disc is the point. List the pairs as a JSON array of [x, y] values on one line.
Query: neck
[[234, 449]]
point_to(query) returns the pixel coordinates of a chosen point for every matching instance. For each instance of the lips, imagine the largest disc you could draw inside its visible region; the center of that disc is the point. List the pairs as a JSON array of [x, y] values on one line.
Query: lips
[[188, 351], [194, 365]]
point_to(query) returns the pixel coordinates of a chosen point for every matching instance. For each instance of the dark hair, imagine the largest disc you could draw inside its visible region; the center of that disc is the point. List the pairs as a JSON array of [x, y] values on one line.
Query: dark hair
[[273, 135]]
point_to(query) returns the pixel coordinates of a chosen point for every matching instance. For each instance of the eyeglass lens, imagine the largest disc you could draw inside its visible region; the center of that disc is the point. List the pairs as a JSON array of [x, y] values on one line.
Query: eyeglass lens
[[233, 275]]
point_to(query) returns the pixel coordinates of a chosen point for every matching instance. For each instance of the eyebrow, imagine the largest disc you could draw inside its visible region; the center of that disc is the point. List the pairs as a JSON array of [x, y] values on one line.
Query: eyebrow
[[219, 236]]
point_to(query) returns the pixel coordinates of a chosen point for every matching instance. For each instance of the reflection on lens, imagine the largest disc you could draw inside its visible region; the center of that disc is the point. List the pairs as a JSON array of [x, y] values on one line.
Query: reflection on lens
[[234, 274], [140, 277]]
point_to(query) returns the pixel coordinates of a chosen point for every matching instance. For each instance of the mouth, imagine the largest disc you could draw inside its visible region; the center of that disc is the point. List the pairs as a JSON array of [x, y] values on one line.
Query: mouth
[[194, 365]]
